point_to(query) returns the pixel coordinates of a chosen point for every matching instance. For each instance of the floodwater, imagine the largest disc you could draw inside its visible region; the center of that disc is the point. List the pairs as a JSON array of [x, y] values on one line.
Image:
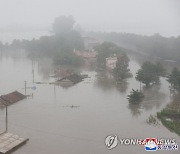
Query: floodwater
[[76, 120]]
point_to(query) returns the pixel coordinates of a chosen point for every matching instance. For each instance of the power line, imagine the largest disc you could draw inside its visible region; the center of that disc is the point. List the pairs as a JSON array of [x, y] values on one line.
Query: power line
[[52, 133]]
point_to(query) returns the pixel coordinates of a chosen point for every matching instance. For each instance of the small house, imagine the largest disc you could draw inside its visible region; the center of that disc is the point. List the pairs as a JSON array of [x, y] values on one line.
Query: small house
[[70, 80], [111, 62], [86, 54]]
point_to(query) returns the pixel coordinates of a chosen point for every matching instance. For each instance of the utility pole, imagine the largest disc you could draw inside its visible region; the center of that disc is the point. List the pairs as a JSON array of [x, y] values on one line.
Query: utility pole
[[25, 86], [6, 105], [140, 86], [54, 91], [33, 75], [6, 118], [33, 70]]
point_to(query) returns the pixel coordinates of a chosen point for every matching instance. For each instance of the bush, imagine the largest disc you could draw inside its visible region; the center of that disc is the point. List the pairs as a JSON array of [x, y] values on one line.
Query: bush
[[135, 96]]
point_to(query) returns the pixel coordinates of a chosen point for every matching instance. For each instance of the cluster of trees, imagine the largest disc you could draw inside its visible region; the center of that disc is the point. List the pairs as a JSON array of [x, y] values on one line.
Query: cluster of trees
[[59, 46], [122, 70], [156, 45], [135, 96], [150, 73], [15, 45]]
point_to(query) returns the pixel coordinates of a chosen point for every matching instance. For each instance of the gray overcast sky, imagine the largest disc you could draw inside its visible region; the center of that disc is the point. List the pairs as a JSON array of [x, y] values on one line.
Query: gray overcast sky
[[134, 16]]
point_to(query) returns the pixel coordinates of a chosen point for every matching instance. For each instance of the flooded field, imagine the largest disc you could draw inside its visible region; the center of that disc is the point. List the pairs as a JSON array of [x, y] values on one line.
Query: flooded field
[[79, 118]]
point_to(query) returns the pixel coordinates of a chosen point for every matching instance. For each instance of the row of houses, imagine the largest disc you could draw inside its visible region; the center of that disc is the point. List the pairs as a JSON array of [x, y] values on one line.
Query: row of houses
[[90, 57]]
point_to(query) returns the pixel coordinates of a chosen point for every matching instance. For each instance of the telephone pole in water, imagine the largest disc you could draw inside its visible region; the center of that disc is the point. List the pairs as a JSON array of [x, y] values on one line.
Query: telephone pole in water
[[25, 87], [6, 118], [6, 105]]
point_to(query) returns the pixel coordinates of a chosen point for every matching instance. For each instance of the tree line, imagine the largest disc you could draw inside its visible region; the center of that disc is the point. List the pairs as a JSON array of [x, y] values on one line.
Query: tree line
[[155, 45], [58, 46]]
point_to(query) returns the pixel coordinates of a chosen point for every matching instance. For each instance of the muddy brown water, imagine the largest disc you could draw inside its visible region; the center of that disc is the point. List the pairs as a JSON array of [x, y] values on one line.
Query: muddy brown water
[[77, 120]]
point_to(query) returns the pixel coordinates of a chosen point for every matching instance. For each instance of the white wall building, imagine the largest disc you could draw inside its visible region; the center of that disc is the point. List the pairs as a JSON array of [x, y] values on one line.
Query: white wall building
[[111, 62]]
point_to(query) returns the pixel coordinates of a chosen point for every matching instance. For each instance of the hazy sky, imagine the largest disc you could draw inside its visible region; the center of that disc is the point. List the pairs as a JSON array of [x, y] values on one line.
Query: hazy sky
[[134, 16]]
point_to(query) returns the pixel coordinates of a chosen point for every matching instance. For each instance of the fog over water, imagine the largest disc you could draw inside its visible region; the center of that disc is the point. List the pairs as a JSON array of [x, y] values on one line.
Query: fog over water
[[140, 16], [85, 84]]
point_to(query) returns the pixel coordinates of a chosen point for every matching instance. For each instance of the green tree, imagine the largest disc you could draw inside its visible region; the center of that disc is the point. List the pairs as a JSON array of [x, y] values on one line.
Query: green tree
[[135, 96], [60, 46], [174, 79], [159, 70], [150, 73], [122, 71]]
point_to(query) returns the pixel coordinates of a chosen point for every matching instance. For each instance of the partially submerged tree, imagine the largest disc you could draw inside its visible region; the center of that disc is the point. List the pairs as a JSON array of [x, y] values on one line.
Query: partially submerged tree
[[135, 97], [150, 73], [121, 70], [174, 79]]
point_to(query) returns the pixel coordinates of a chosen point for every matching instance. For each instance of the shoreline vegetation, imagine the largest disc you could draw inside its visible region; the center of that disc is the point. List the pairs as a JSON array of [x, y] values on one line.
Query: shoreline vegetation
[[170, 119], [170, 115]]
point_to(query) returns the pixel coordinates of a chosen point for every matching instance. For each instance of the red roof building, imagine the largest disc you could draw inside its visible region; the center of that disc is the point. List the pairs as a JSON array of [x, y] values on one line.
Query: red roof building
[[11, 98]]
